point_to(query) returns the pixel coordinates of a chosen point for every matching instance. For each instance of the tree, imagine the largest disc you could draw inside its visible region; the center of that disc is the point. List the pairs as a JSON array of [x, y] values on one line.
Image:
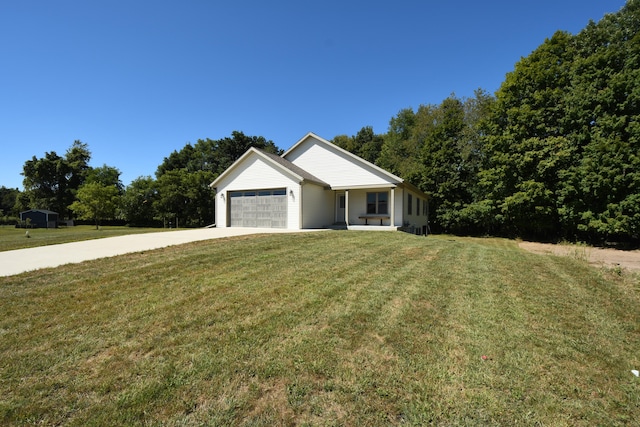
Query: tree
[[105, 175], [400, 151], [185, 198], [444, 175], [600, 193], [200, 211], [171, 203], [527, 148], [229, 150], [344, 142], [77, 160], [44, 182], [96, 202], [182, 159], [563, 141], [365, 143], [183, 178], [51, 182], [8, 201], [139, 200], [214, 155], [440, 149]]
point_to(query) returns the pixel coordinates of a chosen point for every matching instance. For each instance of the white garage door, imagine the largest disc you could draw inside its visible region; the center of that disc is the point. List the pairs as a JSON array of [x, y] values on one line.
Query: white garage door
[[259, 208]]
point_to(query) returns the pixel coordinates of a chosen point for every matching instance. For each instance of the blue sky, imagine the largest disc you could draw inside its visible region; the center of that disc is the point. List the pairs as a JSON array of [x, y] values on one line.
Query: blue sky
[[138, 79]]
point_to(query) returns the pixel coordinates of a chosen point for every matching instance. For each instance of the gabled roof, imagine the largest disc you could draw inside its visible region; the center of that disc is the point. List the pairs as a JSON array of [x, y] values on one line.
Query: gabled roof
[[45, 211], [297, 170], [276, 161], [353, 157]]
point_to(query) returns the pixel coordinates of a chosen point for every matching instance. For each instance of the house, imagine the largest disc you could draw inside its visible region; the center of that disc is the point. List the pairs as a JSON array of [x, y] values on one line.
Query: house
[[315, 184], [40, 218]]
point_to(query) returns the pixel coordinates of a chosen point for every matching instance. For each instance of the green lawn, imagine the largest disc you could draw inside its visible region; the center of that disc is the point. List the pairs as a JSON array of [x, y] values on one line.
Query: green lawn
[[16, 238], [333, 328]]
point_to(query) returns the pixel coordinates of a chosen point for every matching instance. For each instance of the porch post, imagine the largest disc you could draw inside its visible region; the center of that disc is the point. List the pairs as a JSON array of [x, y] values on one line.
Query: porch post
[[346, 207], [393, 207]]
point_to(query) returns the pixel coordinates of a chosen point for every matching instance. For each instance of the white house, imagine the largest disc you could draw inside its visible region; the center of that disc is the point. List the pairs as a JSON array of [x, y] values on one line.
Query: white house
[[315, 184]]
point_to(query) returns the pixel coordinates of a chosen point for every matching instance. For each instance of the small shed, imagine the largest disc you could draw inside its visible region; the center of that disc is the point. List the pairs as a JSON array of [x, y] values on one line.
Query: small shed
[[40, 218]]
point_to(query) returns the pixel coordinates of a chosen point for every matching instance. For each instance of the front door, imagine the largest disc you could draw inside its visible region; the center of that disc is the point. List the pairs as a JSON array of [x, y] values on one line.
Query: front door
[[340, 208]]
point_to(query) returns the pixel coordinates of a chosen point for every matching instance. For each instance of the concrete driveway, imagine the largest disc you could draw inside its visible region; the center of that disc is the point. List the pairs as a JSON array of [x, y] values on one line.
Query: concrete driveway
[[22, 260]]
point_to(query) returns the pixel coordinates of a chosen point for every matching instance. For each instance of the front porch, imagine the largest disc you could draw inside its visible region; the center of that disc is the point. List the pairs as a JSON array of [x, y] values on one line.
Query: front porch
[[368, 208]]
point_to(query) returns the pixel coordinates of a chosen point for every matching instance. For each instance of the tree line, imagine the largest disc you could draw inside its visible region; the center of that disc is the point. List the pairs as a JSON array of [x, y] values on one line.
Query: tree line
[[179, 195], [553, 154]]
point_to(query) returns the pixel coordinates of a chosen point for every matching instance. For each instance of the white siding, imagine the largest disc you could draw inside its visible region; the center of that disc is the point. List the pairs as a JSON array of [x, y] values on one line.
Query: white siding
[[317, 207], [399, 205], [256, 174], [414, 218], [333, 166], [358, 206], [293, 218]]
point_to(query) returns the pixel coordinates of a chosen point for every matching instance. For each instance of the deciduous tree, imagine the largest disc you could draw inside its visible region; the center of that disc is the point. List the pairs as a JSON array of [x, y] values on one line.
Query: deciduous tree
[[52, 181], [96, 202], [139, 200]]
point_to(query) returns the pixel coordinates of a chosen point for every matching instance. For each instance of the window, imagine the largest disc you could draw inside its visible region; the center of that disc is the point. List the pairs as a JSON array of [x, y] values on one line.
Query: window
[[417, 207], [377, 203], [410, 204]]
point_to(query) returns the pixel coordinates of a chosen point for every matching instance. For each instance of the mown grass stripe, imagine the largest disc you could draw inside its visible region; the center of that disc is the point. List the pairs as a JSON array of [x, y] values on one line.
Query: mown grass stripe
[[335, 328]]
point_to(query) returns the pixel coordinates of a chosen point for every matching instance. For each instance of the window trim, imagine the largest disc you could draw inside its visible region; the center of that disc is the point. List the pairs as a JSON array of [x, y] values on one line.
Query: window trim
[[377, 203]]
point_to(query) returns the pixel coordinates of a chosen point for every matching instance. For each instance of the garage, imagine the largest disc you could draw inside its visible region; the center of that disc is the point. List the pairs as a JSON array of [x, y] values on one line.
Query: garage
[[258, 208]]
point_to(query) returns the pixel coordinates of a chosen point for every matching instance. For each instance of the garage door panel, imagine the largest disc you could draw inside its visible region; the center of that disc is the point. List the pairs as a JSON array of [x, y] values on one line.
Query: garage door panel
[[278, 211], [263, 213], [264, 208], [235, 208]]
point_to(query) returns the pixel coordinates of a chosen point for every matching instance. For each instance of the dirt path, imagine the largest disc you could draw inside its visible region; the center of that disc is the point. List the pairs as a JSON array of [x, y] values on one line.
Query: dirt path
[[611, 258]]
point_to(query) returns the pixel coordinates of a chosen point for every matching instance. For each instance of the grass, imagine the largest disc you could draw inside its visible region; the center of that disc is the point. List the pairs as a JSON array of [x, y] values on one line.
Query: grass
[[332, 328], [16, 238]]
